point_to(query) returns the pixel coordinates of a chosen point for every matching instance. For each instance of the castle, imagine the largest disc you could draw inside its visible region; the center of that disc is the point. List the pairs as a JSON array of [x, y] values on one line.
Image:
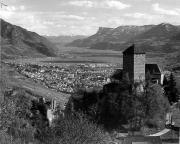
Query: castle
[[134, 65]]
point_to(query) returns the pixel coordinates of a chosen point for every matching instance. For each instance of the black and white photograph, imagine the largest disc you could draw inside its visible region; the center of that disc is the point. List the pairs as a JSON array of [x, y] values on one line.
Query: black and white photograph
[[89, 71]]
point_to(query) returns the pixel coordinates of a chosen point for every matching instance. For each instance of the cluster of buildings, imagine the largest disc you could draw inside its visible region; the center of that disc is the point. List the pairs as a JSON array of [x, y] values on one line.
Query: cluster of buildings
[[68, 77]]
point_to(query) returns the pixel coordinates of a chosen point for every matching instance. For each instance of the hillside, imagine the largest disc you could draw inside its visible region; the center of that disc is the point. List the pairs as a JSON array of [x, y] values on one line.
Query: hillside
[[87, 42], [120, 34], [17, 41], [64, 39], [176, 37], [161, 31], [154, 38]]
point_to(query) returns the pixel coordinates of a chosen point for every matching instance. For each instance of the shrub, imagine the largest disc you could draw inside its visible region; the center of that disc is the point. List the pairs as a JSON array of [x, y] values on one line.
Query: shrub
[[15, 113], [156, 106], [7, 139], [75, 128]]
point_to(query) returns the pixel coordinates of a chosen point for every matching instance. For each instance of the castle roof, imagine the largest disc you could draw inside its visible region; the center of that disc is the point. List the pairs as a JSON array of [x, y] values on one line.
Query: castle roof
[[134, 50]]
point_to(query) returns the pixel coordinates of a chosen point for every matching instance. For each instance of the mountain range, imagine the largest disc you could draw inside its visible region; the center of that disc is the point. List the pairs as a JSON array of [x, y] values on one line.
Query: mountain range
[[17, 41], [154, 38], [163, 38], [64, 39]]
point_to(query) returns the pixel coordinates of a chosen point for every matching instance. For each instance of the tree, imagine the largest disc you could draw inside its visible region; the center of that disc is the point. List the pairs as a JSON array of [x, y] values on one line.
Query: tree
[[109, 111], [75, 128], [165, 81], [119, 103], [115, 107], [117, 75], [170, 89], [126, 78], [155, 106], [148, 79]]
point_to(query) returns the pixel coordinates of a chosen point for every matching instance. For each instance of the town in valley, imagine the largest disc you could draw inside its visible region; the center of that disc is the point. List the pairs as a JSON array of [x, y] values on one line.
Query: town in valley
[[86, 72]]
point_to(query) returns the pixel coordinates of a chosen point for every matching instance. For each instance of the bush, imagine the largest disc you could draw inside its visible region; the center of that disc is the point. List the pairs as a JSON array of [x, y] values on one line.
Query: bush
[[156, 106], [75, 128], [119, 103], [15, 114], [7, 139]]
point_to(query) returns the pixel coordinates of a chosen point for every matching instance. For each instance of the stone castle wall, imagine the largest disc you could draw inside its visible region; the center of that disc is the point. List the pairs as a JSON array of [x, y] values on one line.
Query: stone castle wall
[[139, 67]]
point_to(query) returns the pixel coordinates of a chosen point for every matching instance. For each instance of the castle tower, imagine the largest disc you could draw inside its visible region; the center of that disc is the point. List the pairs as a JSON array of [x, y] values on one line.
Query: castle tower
[[134, 59]]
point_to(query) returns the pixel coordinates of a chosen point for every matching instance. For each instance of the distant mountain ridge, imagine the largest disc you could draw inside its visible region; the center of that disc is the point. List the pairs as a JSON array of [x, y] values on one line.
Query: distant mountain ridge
[[163, 38], [119, 34], [64, 39], [17, 41], [163, 30]]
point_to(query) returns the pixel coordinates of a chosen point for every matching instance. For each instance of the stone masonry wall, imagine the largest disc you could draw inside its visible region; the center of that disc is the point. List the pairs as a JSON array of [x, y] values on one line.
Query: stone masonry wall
[[139, 67]]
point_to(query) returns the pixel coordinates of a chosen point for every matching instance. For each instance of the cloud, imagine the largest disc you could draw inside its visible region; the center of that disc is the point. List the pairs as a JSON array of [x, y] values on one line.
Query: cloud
[[116, 4], [22, 7], [84, 3], [15, 8], [74, 17], [64, 16], [85, 16], [148, 0], [113, 22], [6, 14], [100, 4], [11, 8], [10, 11], [144, 18], [49, 23], [26, 20], [178, 10], [136, 15], [160, 10]]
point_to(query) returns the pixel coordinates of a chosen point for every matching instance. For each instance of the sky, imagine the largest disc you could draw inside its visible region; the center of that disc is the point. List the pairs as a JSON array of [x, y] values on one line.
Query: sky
[[84, 17]]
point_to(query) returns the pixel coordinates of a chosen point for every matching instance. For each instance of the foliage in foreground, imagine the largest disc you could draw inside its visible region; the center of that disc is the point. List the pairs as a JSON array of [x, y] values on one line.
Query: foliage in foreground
[[15, 116], [120, 104], [75, 128], [22, 123]]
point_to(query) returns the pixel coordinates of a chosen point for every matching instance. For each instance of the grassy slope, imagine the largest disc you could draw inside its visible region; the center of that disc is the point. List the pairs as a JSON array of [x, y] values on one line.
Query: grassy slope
[[10, 78]]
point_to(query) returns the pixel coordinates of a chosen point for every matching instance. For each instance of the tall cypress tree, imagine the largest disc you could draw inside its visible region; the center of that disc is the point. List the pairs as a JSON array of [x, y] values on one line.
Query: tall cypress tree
[[171, 90], [165, 81]]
